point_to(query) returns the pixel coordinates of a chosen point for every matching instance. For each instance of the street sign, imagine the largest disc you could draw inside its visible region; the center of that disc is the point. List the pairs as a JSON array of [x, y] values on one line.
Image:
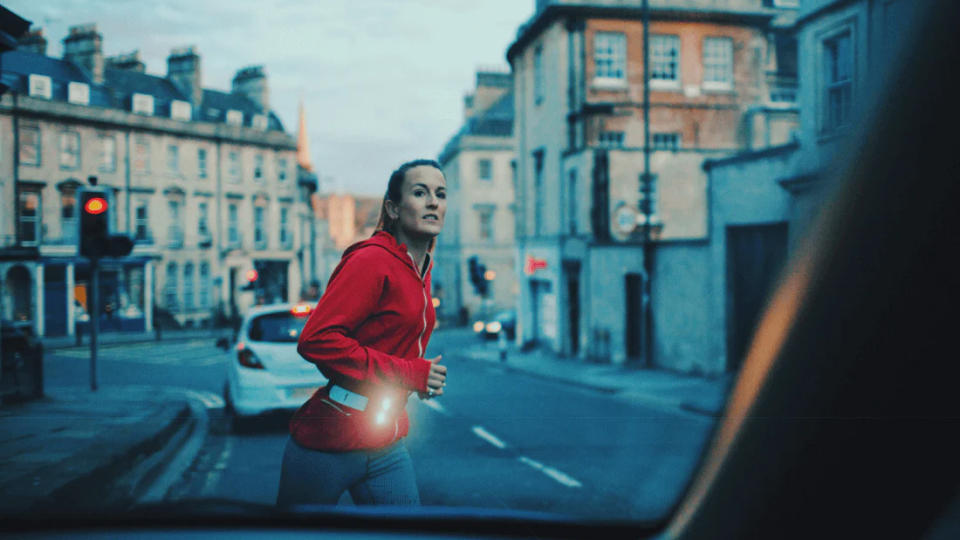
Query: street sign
[[624, 221]]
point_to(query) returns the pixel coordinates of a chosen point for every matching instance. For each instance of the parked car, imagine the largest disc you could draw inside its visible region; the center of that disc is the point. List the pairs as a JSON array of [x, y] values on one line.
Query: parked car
[[490, 327], [265, 373]]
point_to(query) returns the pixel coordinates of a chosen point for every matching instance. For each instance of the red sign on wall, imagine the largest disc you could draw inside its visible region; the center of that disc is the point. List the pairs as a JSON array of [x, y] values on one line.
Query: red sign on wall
[[533, 264]]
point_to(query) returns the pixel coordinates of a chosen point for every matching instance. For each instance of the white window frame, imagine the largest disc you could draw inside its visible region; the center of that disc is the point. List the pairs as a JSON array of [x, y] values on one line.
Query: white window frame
[[717, 63], [610, 59], [188, 279], [108, 153], [141, 143], [233, 224], [259, 234], [142, 104], [69, 225], [202, 157], [282, 169], [662, 47], [173, 159], [486, 211], [259, 121], [258, 164], [78, 92], [234, 170], [666, 141], [69, 135], [825, 86], [170, 290], [285, 239], [142, 223], [611, 139], [175, 228], [39, 86], [181, 110], [234, 117], [485, 165], [203, 220], [203, 280], [34, 222], [25, 143]]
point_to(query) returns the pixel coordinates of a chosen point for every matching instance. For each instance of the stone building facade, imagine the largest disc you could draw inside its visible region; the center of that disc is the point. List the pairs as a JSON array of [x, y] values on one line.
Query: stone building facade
[[205, 182], [722, 80], [478, 163]]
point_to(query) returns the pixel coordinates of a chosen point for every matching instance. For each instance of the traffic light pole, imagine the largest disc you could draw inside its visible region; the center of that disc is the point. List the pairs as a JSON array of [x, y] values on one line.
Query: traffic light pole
[[94, 312]]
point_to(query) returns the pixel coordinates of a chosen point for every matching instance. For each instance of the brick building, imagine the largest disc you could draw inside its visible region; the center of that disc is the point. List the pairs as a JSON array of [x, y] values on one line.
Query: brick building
[[722, 79]]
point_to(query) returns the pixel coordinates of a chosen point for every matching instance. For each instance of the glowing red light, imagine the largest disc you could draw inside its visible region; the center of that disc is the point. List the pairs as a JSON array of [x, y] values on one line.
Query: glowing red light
[[252, 275], [533, 264], [96, 205], [301, 309]]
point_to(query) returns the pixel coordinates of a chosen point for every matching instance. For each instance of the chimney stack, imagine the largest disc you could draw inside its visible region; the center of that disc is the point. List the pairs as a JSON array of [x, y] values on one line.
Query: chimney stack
[[127, 62], [84, 47], [183, 70], [252, 82], [491, 86], [33, 41]]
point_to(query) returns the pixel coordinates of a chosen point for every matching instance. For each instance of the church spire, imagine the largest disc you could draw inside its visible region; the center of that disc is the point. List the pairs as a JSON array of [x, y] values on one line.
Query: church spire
[[303, 142]]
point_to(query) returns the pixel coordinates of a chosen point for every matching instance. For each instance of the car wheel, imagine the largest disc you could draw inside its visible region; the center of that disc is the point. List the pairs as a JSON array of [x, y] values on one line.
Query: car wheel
[[235, 423]]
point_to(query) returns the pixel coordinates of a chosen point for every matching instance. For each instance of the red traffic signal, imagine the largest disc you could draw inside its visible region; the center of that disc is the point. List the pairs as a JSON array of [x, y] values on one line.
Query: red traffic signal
[[252, 275], [95, 205]]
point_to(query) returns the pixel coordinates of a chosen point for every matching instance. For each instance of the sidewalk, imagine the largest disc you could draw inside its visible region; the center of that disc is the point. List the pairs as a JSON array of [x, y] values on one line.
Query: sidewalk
[[76, 449], [112, 338], [657, 387]]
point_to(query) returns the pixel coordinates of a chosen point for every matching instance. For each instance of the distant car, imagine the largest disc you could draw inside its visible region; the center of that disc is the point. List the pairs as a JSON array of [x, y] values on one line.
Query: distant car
[[265, 373], [490, 327]]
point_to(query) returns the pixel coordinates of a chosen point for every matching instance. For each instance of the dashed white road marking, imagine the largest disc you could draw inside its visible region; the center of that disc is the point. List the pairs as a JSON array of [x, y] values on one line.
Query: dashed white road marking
[[216, 472], [209, 399], [435, 406], [559, 476], [489, 437]]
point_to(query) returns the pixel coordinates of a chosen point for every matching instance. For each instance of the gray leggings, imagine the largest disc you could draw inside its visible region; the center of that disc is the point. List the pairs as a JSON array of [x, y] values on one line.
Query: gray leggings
[[381, 476]]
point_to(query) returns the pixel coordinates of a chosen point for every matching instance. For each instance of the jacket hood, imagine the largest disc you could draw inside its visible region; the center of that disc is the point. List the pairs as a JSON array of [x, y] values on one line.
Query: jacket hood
[[386, 241]]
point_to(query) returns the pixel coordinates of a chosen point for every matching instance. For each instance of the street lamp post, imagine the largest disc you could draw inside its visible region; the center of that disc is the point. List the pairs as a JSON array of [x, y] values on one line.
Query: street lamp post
[[646, 203]]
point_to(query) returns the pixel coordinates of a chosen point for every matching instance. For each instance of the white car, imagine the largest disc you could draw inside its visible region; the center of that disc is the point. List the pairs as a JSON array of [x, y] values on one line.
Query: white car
[[265, 373]]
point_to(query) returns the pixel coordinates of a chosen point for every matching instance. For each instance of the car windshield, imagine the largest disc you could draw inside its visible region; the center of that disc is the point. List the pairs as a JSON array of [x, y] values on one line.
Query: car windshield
[[281, 327], [624, 185]]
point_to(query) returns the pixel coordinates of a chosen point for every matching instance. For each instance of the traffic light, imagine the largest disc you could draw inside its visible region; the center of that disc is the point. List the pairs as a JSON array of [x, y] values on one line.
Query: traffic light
[[95, 238], [94, 223], [252, 277], [478, 275]]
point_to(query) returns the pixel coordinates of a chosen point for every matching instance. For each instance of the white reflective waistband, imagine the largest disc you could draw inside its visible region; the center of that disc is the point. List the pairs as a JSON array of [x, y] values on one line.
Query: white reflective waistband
[[345, 397]]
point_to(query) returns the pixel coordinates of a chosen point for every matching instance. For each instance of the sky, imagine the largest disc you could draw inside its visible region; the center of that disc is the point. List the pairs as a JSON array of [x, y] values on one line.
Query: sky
[[382, 81]]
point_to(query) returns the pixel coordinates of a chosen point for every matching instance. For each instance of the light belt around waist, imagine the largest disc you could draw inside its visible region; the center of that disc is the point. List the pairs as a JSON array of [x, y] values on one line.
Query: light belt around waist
[[346, 397]]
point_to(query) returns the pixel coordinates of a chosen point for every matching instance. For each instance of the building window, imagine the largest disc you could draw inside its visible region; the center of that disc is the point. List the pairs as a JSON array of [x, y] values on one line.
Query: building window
[[170, 291], [108, 153], [30, 146], [233, 233], [204, 290], [175, 229], [538, 192], [259, 238], [572, 200], [39, 86], [485, 169], [610, 57], [717, 63], [142, 223], [838, 79], [78, 92], [202, 229], [30, 217], [202, 162], [611, 139], [285, 238], [258, 167], [666, 141], [173, 159], [485, 217], [282, 169], [235, 117], [538, 75], [142, 103], [259, 121], [68, 216], [664, 61], [234, 171], [180, 110], [188, 286], [69, 150], [141, 155]]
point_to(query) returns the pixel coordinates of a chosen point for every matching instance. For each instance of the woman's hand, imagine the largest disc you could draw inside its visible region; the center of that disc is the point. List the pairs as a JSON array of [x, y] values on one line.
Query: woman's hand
[[436, 380]]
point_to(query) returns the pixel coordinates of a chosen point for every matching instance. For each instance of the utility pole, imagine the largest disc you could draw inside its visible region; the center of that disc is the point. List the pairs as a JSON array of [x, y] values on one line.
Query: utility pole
[[646, 203]]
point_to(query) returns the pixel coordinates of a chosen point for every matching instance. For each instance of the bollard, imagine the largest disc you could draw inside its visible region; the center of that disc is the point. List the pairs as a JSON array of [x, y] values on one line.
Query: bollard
[[502, 344]]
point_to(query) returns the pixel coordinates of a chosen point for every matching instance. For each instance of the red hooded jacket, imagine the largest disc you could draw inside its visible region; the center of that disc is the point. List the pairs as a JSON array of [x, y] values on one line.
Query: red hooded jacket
[[367, 334]]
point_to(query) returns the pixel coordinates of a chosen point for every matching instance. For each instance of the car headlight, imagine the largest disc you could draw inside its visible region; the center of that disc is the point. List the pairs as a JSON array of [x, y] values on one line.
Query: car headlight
[[494, 327], [478, 326]]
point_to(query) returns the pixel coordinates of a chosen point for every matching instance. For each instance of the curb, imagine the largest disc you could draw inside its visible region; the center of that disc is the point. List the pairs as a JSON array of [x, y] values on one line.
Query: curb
[[116, 480], [112, 344]]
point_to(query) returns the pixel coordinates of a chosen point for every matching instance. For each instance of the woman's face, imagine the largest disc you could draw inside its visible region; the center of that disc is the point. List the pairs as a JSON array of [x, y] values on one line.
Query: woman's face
[[423, 202]]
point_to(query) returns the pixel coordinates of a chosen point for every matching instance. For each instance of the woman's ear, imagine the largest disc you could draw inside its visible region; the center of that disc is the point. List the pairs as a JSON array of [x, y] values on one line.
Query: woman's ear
[[391, 208]]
